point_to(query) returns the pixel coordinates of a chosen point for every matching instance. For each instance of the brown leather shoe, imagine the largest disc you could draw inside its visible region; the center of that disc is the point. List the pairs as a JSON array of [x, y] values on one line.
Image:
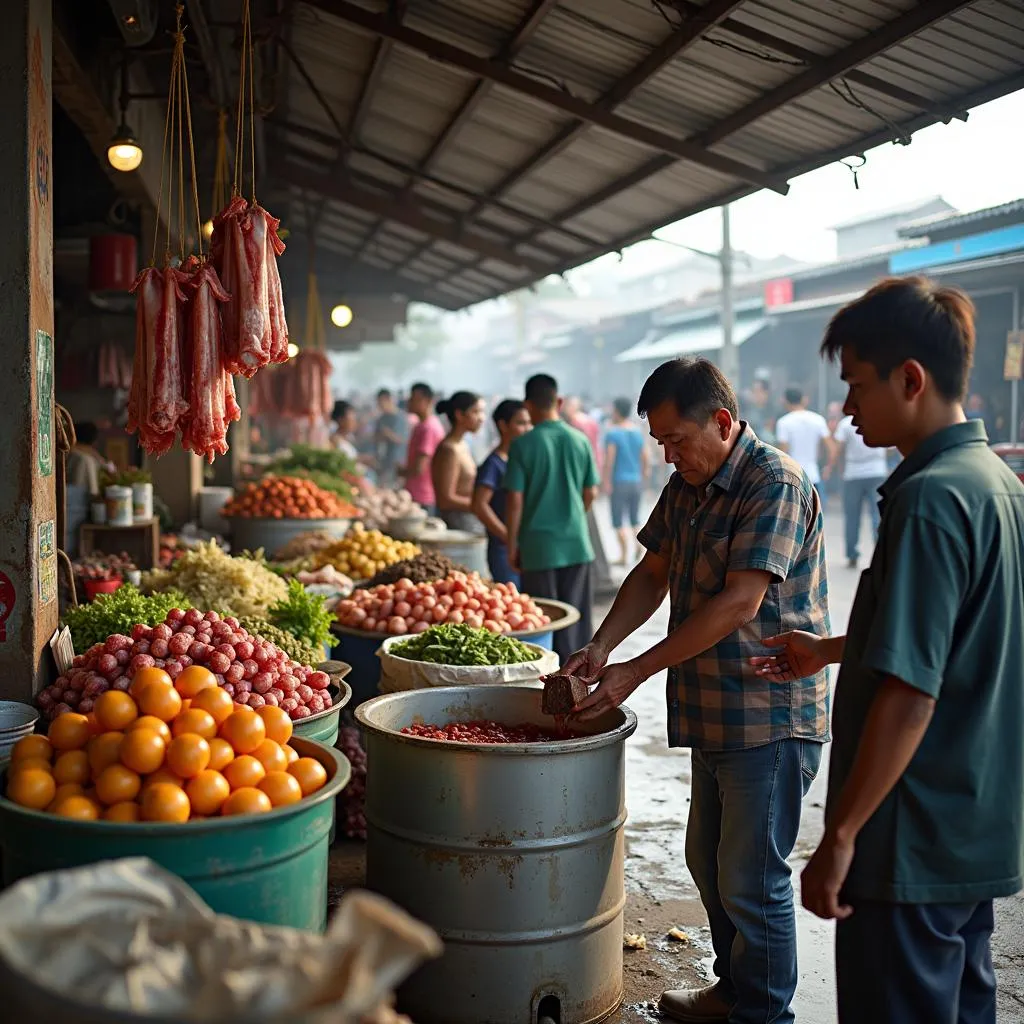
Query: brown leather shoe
[[695, 1005]]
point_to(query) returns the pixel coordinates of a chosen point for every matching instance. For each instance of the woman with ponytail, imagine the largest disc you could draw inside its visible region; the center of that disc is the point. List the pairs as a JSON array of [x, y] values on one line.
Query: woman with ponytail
[[453, 469]]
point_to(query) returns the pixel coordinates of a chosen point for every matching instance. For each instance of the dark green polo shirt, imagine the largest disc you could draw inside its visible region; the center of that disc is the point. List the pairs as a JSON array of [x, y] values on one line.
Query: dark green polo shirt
[[942, 609]]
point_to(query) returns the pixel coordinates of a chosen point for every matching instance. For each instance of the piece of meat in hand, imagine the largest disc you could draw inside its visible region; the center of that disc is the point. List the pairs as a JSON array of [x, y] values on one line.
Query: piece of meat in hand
[[562, 693]]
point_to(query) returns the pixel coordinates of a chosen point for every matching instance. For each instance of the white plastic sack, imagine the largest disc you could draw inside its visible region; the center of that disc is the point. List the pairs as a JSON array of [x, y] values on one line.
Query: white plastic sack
[[403, 674], [128, 936]]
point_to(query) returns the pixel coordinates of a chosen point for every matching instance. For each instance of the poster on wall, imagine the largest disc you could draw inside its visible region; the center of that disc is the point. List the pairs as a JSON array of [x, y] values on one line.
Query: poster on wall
[[47, 562], [1013, 366], [44, 402]]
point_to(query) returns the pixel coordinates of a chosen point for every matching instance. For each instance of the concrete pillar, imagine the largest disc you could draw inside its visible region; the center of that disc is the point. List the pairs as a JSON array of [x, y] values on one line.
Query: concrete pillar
[[28, 456]]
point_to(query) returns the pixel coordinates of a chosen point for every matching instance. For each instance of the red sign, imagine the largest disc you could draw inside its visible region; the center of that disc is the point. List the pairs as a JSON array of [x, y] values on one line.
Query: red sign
[[7, 598], [778, 292]]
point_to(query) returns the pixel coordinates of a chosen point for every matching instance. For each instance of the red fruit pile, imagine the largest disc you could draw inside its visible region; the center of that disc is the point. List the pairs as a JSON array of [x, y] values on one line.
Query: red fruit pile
[[406, 607], [485, 732], [253, 671]]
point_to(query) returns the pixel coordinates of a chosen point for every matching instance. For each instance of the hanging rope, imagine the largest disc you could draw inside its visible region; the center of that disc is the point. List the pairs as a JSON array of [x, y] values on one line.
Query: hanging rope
[[221, 172], [66, 440], [246, 94]]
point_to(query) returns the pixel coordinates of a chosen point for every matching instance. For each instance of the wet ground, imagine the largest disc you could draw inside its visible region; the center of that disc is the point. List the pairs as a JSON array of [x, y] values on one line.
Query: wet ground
[[660, 892]]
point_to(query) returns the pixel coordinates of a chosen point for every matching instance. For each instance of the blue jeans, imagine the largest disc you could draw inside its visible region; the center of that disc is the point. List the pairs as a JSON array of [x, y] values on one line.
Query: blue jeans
[[743, 823], [855, 494], [498, 563], [916, 963]]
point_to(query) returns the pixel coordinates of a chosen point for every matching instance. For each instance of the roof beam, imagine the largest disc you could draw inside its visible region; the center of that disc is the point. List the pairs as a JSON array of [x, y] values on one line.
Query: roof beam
[[343, 189], [484, 67], [839, 64], [698, 21]]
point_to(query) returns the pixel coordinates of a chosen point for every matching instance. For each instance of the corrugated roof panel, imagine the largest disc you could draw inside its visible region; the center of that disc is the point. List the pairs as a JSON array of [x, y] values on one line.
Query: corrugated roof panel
[[481, 26]]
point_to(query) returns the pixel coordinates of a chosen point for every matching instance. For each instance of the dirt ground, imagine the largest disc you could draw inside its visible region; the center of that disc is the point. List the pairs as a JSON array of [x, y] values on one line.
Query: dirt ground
[[660, 892]]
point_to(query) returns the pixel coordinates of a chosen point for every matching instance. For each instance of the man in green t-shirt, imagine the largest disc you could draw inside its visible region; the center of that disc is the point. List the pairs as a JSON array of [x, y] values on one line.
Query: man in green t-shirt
[[550, 483], [924, 820]]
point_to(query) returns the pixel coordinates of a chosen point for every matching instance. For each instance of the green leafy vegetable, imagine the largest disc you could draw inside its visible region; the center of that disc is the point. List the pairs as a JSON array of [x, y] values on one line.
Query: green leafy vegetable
[[304, 615], [295, 649], [459, 644], [117, 612], [328, 468]]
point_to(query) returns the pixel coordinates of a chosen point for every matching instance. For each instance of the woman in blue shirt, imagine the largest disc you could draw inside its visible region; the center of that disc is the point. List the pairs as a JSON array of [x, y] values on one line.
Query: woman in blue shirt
[[625, 467], [512, 420]]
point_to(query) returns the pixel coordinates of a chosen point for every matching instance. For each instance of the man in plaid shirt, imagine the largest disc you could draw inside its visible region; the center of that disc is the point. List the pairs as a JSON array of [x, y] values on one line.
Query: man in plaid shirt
[[736, 540]]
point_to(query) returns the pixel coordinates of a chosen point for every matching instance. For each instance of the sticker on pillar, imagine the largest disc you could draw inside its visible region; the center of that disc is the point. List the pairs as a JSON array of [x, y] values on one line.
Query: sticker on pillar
[[44, 402], [47, 562], [7, 599]]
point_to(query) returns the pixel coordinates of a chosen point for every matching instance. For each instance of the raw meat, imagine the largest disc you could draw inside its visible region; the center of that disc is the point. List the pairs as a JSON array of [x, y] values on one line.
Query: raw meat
[[275, 296], [562, 693], [213, 404], [306, 393]]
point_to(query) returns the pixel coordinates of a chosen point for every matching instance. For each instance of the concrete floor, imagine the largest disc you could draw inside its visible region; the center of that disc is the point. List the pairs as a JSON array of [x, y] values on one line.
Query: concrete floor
[[661, 892]]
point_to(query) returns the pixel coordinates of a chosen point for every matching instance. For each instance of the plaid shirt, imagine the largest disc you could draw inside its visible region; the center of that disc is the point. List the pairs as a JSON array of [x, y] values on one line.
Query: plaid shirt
[[759, 512]]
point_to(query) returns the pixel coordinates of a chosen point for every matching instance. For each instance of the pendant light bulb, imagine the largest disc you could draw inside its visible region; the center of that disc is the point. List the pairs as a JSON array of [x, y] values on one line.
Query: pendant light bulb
[[341, 315], [124, 152]]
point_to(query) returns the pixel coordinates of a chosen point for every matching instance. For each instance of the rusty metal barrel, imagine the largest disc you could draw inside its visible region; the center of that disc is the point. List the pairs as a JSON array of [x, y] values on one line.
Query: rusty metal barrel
[[514, 853]]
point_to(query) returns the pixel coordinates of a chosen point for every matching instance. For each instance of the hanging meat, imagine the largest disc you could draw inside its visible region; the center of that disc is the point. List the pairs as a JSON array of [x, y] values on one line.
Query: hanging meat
[[213, 405], [306, 393], [156, 402], [245, 247]]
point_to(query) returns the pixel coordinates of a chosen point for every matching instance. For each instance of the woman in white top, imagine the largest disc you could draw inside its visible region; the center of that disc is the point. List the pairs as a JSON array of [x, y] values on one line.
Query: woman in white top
[[864, 471], [345, 425]]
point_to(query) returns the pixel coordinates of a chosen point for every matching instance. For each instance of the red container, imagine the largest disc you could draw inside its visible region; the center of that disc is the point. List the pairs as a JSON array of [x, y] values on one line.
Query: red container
[[113, 262], [94, 587]]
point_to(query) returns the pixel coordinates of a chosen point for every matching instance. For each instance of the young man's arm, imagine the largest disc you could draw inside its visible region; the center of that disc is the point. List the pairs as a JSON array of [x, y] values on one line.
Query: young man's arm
[[609, 465], [515, 484]]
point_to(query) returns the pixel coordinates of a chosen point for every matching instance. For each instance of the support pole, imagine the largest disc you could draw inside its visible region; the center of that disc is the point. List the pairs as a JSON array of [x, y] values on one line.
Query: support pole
[[1015, 383], [730, 362], [28, 456]]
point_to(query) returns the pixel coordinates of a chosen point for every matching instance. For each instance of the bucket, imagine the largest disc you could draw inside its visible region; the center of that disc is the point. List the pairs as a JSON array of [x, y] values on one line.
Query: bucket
[[211, 501], [270, 868], [119, 505], [94, 587], [16, 720], [98, 512], [468, 549], [142, 501], [324, 726]]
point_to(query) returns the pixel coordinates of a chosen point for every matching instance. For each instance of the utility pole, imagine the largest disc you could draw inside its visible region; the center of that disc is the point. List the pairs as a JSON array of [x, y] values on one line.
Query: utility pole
[[730, 363]]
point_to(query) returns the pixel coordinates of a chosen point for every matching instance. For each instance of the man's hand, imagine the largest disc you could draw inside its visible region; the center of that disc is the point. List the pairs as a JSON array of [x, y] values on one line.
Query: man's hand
[[513, 558], [823, 878], [586, 663], [801, 655], [617, 683]]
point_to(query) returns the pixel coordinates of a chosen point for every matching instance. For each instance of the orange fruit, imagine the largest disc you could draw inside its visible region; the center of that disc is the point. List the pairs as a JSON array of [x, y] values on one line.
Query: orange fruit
[[164, 775], [143, 751], [69, 731], [165, 802], [67, 789], [188, 755], [291, 753], [104, 750], [194, 679], [31, 788], [31, 746], [309, 773], [161, 701], [221, 753], [244, 771], [197, 721], [94, 726], [127, 810], [244, 730], [115, 711], [79, 807], [117, 784], [150, 722], [246, 800], [277, 723], [145, 676], [71, 766], [282, 788], [214, 701], [207, 792], [41, 764], [271, 755]]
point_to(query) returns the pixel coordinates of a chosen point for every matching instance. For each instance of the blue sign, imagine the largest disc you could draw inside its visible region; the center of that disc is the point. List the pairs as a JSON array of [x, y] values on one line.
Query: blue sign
[[958, 250]]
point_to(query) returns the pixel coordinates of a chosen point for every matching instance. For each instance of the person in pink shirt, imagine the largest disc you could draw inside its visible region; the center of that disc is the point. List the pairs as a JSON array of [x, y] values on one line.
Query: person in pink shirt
[[573, 414], [426, 435]]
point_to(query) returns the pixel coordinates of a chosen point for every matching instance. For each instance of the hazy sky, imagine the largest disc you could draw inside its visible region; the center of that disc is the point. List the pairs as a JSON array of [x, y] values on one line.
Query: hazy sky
[[971, 165]]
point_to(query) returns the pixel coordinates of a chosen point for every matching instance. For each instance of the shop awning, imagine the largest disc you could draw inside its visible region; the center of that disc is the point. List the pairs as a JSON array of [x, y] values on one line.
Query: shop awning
[[707, 338]]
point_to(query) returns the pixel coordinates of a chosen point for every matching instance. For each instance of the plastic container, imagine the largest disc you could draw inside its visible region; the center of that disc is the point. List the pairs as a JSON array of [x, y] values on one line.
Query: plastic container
[[16, 720], [98, 512], [272, 534], [324, 727], [270, 868], [119, 505], [142, 501], [211, 501], [94, 587], [468, 549]]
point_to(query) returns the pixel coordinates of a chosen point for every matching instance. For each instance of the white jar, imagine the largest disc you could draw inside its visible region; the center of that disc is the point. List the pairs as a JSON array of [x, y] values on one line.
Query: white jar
[[142, 501], [98, 512], [119, 505]]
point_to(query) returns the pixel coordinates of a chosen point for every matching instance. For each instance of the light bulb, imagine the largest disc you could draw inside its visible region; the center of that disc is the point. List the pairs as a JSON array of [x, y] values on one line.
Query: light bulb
[[208, 229], [124, 152], [293, 350], [341, 316]]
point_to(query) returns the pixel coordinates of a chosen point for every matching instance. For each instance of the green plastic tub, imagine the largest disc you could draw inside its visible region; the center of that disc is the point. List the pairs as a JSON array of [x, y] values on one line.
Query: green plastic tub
[[324, 727], [270, 868]]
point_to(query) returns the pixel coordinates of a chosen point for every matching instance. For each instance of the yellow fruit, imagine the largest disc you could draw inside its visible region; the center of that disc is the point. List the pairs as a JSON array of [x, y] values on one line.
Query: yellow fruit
[[165, 802], [104, 750], [244, 730], [221, 753], [32, 746], [32, 788], [246, 801], [282, 788], [117, 784], [149, 722], [71, 766], [161, 700], [41, 764], [193, 680], [197, 721], [214, 701], [277, 724], [244, 771], [310, 774], [80, 808], [162, 775], [271, 755], [128, 810], [143, 751], [145, 676], [207, 792], [188, 755], [115, 711], [69, 731]]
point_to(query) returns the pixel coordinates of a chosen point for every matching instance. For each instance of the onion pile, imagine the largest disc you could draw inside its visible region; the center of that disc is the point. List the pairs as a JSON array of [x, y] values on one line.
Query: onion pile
[[406, 607], [253, 671]]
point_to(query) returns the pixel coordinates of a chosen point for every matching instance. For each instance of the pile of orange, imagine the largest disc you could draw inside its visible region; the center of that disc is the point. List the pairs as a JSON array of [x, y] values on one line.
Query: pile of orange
[[166, 750], [288, 497]]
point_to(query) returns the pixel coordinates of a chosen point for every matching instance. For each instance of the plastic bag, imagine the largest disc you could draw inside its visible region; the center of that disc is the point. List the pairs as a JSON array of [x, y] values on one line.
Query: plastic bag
[[403, 674]]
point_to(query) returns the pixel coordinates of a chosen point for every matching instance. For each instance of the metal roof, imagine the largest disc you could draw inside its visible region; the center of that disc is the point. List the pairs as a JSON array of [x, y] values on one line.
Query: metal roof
[[465, 148], [945, 222]]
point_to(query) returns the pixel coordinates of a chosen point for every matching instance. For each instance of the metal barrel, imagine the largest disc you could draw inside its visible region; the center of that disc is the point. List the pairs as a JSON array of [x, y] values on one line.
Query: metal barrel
[[513, 853]]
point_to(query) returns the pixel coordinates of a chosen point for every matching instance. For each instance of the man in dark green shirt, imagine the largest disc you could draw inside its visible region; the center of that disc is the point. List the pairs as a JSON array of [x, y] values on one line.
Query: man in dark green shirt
[[924, 821], [550, 483]]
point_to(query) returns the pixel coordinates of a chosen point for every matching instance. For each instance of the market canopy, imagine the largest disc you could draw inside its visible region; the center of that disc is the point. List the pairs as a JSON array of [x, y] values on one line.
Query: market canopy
[[460, 149], [707, 337]]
